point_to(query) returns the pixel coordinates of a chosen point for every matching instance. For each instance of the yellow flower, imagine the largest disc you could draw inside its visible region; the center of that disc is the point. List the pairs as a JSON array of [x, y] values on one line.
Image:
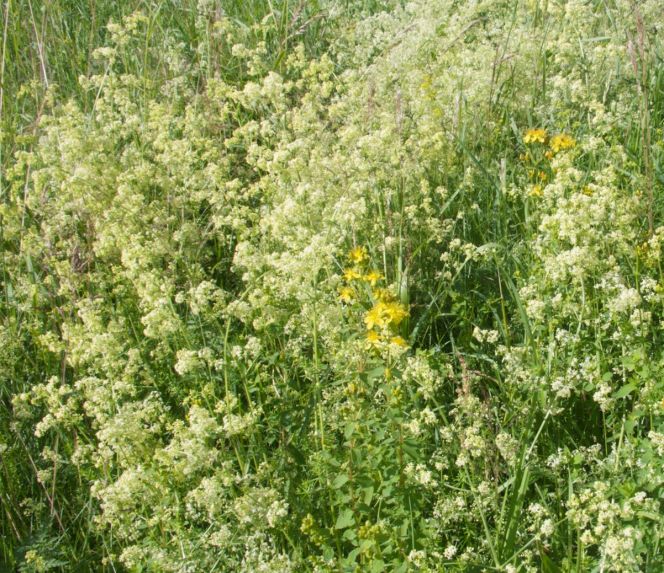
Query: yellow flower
[[376, 317], [384, 314], [358, 255], [538, 135], [346, 294], [352, 388], [372, 277], [351, 275], [373, 338], [561, 141], [395, 312], [382, 294], [536, 191], [642, 249], [399, 341]]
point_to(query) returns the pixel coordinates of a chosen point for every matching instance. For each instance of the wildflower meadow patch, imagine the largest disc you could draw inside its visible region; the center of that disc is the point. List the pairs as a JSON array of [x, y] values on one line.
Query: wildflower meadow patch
[[332, 286]]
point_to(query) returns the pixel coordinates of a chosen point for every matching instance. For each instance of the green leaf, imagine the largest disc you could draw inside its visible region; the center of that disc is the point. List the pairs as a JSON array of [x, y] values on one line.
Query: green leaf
[[350, 535], [626, 390], [649, 515], [345, 519], [377, 566], [352, 556], [366, 544], [411, 450], [402, 568], [375, 372], [339, 481], [349, 429]]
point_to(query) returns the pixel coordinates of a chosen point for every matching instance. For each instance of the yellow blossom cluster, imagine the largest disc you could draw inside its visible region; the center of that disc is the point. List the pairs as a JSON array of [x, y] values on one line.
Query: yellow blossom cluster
[[383, 318], [352, 275], [346, 294], [537, 135], [561, 142], [558, 142], [358, 255], [358, 272], [386, 314], [536, 191]]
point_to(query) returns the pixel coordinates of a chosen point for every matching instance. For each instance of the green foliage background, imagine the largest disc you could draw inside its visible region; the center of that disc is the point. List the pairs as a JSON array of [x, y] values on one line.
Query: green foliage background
[[214, 219]]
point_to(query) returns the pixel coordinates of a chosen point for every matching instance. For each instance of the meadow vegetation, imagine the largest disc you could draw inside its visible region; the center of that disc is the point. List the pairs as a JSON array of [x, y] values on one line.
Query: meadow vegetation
[[332, 286]]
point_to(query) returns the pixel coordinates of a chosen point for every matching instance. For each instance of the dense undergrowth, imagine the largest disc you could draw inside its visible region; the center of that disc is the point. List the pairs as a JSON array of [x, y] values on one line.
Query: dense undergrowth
[[332, 286]]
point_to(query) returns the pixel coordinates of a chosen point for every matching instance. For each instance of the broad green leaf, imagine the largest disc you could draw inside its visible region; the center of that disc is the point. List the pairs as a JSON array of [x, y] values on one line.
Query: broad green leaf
[[345, 519], [626, 390], [377, 566], [339, 481]]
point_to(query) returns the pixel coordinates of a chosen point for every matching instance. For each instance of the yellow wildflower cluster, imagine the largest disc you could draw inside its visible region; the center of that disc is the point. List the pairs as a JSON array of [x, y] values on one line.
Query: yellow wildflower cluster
[[358, 255], [399, 341], [352, 275], [347, 294], [372, 277], [537, 135], [386, 314], [358, 272], [382, 294], [558, 142], [381, 319], [536, 191], [561, 142], [374, 339]]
